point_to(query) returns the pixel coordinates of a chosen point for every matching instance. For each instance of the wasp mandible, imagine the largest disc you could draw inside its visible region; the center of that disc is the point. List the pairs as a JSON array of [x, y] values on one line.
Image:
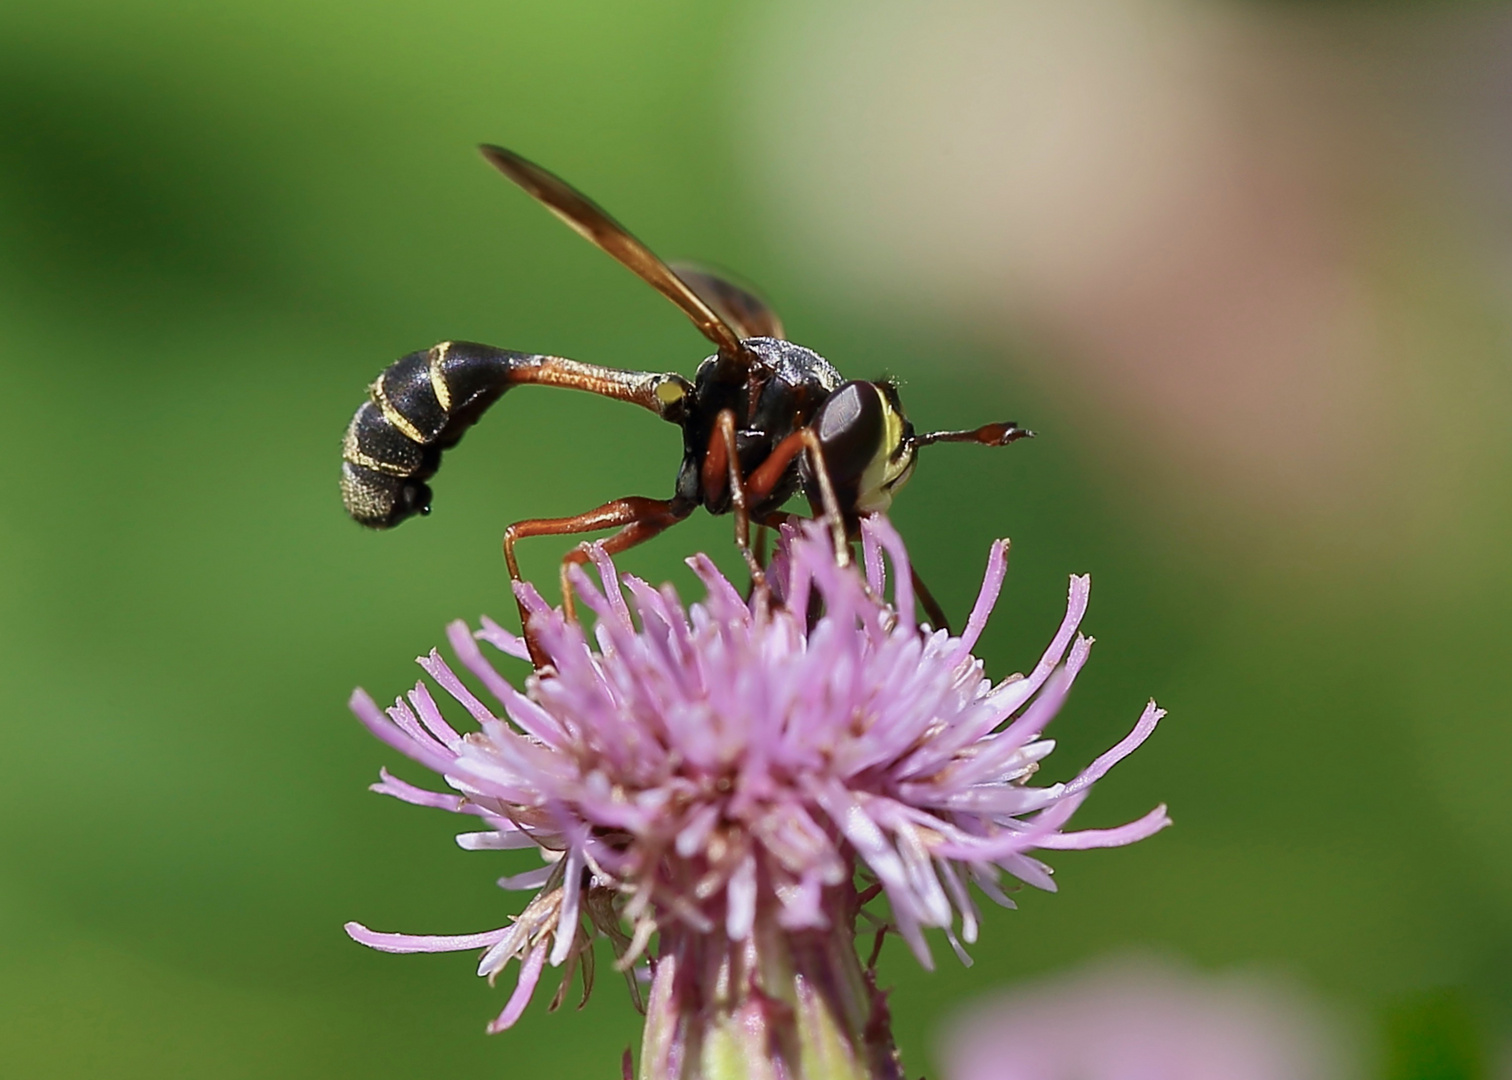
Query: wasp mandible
[[762, 419]]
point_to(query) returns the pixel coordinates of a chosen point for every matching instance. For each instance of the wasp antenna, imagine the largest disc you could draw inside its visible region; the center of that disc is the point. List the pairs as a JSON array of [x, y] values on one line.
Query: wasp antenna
[[999, 434]]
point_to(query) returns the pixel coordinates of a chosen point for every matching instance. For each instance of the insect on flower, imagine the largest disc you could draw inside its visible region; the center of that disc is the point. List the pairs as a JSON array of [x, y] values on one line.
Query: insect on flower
[[762, 420], [723, 789]]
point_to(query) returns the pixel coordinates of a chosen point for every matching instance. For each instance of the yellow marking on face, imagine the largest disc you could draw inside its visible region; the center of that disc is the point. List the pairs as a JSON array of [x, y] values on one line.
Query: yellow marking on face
[[393, 416], [890, 468], [438, 376]]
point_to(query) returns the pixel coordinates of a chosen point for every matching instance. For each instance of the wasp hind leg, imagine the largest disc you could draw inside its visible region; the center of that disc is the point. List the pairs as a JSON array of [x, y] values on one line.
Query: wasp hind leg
[[927, 601], [638, 520]]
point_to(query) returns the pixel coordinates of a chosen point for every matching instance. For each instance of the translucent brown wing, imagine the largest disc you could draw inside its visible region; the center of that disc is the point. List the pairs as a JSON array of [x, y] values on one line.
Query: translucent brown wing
[[591, 221], [743, 310]]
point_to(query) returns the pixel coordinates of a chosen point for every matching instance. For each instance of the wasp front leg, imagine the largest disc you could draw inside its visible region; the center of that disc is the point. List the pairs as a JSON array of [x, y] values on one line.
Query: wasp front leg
[[722, 465], [765, 478]]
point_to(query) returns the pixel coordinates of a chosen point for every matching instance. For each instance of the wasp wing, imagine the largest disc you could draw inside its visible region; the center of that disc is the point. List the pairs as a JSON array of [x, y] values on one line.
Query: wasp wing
[[742, 309], [591, 221]]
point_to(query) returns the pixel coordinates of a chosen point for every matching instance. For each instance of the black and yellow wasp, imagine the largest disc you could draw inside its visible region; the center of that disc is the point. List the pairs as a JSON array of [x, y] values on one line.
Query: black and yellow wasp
[[762, 419]]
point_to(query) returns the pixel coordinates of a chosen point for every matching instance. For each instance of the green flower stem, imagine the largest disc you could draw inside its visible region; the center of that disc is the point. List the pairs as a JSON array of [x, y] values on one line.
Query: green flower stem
[[779, 1005]]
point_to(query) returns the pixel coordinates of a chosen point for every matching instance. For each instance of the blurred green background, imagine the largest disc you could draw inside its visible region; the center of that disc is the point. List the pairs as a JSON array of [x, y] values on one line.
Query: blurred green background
[[219, 221]]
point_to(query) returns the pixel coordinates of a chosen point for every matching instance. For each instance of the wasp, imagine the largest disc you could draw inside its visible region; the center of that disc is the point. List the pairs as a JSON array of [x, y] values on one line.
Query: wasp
[[762, 420]]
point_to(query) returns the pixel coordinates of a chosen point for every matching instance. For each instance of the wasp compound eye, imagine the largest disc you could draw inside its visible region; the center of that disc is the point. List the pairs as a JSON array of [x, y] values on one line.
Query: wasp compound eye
[[867, 445], [852, 426]]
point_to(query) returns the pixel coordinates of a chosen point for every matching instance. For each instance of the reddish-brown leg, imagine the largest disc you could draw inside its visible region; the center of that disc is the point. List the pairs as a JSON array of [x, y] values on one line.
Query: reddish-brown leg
[[724, 437], [639, 519], [931, 606], [636, 532], [769, 473]]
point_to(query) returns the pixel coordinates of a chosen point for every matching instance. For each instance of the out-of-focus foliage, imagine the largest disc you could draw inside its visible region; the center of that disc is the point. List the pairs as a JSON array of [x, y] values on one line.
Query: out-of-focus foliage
[[219, 222], [1435, 1036]]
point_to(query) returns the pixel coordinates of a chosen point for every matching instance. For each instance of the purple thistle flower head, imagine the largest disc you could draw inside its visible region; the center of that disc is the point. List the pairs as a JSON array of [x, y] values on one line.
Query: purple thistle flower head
[[739, 779]]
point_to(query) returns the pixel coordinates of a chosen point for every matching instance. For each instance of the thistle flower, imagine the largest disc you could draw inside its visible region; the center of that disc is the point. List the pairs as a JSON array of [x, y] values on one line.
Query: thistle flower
[[739, 780]]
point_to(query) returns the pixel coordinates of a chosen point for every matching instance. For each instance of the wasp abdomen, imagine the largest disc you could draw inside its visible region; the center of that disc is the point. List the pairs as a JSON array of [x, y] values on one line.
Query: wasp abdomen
[[420, 406]]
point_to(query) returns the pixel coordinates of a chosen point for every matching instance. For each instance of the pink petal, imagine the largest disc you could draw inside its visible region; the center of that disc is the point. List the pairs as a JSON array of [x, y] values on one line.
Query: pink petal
[[1011, 696], [497, 840], [501, 639], [1146, 826], [530, 879], [431, 717], [1126, 746], [422, 943], [992, 585], [903, 595], [572, 891], [740, 911], [530, 974], [389, 784], [465, 645], [871, 557], [375, 721]]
